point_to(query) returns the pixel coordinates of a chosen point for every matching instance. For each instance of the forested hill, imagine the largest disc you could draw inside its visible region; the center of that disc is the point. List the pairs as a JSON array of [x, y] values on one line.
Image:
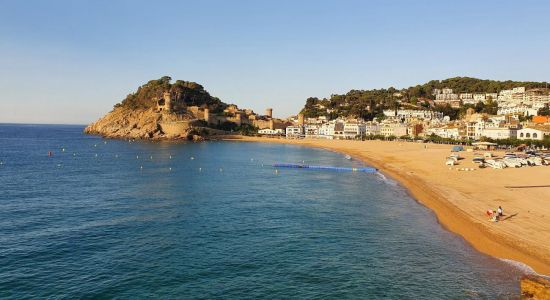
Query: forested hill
[[370, 103], [189, 92]]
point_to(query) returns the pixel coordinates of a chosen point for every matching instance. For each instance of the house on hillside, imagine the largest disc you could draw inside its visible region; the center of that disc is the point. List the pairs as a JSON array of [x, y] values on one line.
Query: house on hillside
[[533, 133]]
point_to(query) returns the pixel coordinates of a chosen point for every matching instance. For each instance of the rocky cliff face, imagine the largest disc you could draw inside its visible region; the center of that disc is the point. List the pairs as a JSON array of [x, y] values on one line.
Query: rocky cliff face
[[138, 124]]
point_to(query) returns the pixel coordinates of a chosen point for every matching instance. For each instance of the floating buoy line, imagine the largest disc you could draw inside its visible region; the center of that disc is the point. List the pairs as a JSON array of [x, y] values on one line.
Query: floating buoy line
[[137, 157], [331, 168]]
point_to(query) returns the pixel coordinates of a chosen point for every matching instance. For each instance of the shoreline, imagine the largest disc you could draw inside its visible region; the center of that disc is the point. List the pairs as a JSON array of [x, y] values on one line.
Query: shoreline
[[482, 236]]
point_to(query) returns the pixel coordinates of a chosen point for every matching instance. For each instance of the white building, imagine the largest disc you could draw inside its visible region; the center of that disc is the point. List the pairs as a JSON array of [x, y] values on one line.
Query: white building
[[505, 96], [466, 96], [448, 132], [479, 98], [538, 97], [517, 109], [518, 90], [372, 128], [515, 95], [294, 131], [499, 133], [444, 95], [394, 129], [354, 129], [492, 96], [271, 131], [329, 130], [389, 112], [311, 130], [532, 133], [413, 113]]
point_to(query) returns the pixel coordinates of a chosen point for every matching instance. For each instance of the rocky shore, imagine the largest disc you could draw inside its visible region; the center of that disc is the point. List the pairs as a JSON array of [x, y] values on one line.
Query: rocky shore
[[127, 123], [535, 287]]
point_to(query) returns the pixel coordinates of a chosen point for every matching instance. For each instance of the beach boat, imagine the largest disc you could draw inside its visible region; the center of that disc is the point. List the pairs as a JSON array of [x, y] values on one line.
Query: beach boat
[[500, 164], [512, 163], [510, 155], [523, 161], [455, 156], [451, 162], [534, 161], [348, 157], [457, 149], [490, 163], [538, 161], [478, 160], [495, 164]]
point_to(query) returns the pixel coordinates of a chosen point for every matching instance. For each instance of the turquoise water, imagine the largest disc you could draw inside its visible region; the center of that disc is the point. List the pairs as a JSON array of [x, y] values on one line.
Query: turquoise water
[[110, 219]]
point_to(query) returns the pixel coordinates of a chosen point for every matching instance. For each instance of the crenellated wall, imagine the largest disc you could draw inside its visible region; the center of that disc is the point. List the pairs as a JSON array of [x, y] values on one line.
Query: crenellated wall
[[174, 128]]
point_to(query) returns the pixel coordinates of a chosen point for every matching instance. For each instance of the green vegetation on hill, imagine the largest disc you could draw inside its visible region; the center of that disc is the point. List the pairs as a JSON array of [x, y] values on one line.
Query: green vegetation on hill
[[370, 103], [190, 93]]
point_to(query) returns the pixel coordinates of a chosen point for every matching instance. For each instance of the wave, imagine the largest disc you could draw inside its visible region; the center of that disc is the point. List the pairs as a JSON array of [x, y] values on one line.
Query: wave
[[525, 269], [386, 179]]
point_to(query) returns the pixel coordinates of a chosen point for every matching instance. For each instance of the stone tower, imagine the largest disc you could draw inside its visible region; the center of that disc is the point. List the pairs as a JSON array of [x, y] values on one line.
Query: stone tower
[[238, 119], [301, 120], [207, 115], [167, 101], [269, 112], [271, 124]]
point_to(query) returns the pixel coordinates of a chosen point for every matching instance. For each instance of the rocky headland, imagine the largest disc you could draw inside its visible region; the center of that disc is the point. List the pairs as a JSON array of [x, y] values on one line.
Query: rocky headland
[[147, 124], [161, 110]]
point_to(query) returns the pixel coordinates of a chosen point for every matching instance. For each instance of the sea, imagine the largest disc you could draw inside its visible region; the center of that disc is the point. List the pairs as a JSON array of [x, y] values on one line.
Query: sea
[[86, 217]]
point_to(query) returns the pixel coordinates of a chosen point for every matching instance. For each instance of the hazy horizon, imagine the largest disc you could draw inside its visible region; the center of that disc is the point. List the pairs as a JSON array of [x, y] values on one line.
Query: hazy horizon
[[69, 62]]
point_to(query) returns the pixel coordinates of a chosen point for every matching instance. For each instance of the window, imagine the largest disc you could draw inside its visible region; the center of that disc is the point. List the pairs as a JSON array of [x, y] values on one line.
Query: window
[[534, 135], [527, 135], [521, 134]]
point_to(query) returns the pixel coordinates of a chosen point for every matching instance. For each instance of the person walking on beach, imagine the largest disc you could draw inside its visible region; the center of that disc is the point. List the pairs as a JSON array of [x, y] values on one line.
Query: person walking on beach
[[500, 211]]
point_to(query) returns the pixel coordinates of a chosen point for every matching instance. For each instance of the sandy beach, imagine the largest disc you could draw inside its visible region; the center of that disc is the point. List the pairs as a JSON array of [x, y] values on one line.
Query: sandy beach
[[460, 198]]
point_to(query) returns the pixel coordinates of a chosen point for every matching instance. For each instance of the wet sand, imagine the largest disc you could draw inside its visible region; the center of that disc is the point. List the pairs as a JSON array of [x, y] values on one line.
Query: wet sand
[[460, 198]]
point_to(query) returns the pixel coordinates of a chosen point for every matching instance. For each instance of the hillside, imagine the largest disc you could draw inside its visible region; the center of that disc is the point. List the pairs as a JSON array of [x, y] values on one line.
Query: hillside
[[369, 103], [137, 116], [190, 93]]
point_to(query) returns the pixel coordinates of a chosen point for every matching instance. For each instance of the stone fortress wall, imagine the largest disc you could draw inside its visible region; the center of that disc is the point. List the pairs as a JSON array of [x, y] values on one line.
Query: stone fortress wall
[[174, 124]]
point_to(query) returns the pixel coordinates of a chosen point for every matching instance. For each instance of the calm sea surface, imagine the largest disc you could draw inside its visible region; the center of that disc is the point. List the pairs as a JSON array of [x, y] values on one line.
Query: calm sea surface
[[113, 219]]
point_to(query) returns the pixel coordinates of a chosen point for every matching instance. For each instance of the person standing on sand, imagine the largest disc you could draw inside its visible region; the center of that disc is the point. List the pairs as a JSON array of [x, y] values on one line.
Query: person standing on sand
[[500, 211]]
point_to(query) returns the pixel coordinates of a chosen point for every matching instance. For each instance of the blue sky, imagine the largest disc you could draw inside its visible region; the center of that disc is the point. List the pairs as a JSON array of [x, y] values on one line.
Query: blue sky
[[71, 61]]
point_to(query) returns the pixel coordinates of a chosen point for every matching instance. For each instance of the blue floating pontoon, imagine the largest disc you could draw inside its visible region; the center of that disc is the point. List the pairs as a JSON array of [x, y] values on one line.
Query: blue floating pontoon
[[340, 169]]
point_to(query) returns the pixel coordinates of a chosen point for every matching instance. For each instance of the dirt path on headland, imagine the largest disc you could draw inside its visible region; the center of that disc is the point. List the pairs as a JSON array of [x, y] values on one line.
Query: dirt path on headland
[[460, 198]]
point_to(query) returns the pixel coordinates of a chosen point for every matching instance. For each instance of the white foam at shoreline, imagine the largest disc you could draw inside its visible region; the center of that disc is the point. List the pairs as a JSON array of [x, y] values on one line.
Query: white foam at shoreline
[[386, 179], [527, 270]]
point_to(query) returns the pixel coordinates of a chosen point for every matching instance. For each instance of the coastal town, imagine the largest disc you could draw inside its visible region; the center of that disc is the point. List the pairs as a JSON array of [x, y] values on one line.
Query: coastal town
[[517, 117]]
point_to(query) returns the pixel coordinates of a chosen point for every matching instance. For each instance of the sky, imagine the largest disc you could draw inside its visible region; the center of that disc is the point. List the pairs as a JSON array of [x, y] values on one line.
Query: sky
[[69, 62]]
